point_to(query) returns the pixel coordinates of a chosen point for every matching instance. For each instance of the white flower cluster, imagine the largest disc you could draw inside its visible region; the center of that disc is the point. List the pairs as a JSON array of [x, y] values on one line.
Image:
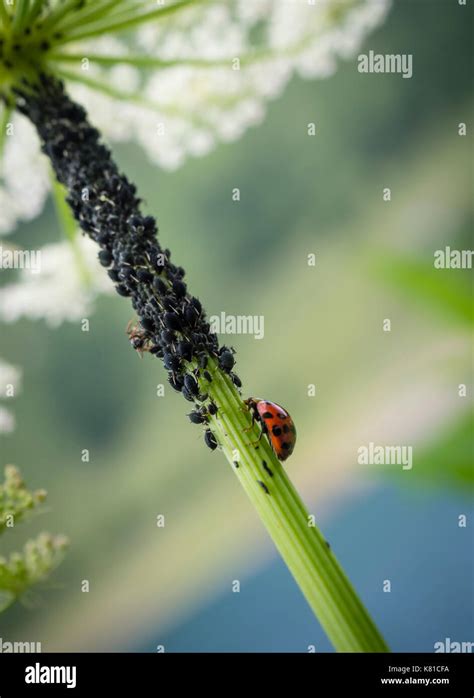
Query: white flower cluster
[[219, 63], [9, 384], [69, 280], [251, 49], [24, 175]]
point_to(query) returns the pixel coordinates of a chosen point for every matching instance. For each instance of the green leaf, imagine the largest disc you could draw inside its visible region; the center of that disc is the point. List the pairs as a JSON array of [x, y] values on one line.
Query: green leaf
[[16, 501], [447, 461], [446, 292], [39, 557], [33, 565], [6, 599]]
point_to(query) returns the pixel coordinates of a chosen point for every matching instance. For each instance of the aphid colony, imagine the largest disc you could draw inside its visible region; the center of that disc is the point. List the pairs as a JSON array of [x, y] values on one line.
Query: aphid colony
[[172, 324], [274, 420]]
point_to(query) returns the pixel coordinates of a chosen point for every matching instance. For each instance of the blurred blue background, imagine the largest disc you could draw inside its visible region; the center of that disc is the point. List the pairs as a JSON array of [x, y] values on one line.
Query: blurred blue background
[[429, 600]]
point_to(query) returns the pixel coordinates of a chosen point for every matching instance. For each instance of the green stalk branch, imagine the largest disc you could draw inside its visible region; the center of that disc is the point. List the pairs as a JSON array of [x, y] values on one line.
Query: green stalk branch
[[138, 61], [302, 546], [4, 15], [59, 13], [22, 9], [35, 10], [90, 13], [111, 27], [68, 226], [144, 61]]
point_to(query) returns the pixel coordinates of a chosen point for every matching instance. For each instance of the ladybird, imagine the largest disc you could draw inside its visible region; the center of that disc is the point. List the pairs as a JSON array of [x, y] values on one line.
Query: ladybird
[[276, 423]]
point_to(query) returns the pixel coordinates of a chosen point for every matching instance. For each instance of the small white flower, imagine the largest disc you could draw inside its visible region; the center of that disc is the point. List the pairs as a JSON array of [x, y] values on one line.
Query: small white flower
[[69, 280], [10, 377], [24, 171], [7, 421]]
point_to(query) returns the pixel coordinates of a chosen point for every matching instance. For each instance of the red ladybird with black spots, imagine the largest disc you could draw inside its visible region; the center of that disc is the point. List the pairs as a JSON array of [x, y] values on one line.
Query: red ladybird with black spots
[[276, 423]]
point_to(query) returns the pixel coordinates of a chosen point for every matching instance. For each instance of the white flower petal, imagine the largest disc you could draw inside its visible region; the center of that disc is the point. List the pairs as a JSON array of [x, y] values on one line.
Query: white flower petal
[[59, 291], [196, 106], [7, 421], [10, 377], [24, 175]]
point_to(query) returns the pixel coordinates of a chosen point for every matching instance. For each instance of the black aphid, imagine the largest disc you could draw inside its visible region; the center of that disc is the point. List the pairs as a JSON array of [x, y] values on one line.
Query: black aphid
[[210, 439]]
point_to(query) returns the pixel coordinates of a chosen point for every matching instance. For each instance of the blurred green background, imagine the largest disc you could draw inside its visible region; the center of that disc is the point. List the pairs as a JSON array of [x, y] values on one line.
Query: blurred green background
[[171, 586]]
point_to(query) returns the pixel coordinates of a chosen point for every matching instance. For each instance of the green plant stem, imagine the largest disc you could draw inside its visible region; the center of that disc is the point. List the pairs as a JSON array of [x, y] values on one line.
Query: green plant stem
[[21, 13], [68, 225], [303, 548], [89, 14], [62, 10], [132, 20], [138, 61], [5, 15], [35, 11]]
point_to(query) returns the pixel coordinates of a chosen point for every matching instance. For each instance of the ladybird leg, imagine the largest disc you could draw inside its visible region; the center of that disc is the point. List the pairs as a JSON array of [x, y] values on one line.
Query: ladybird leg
[[263, 430], [254, 416], [255, 420], [246, 429], [250, 426]]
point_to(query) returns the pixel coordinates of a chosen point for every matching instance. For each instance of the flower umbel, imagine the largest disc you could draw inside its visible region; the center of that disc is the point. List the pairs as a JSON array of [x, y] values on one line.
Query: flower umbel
[[175, 77]]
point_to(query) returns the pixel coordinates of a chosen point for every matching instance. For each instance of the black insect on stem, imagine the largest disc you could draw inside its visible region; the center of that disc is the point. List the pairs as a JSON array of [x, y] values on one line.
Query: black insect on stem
[[172, 324], [266, 468], [226, 359], [210, 439], [197, 417]]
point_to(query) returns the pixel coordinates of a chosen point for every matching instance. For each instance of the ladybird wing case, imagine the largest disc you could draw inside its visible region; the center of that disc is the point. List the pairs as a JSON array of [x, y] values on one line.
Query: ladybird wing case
[[280, 428]]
